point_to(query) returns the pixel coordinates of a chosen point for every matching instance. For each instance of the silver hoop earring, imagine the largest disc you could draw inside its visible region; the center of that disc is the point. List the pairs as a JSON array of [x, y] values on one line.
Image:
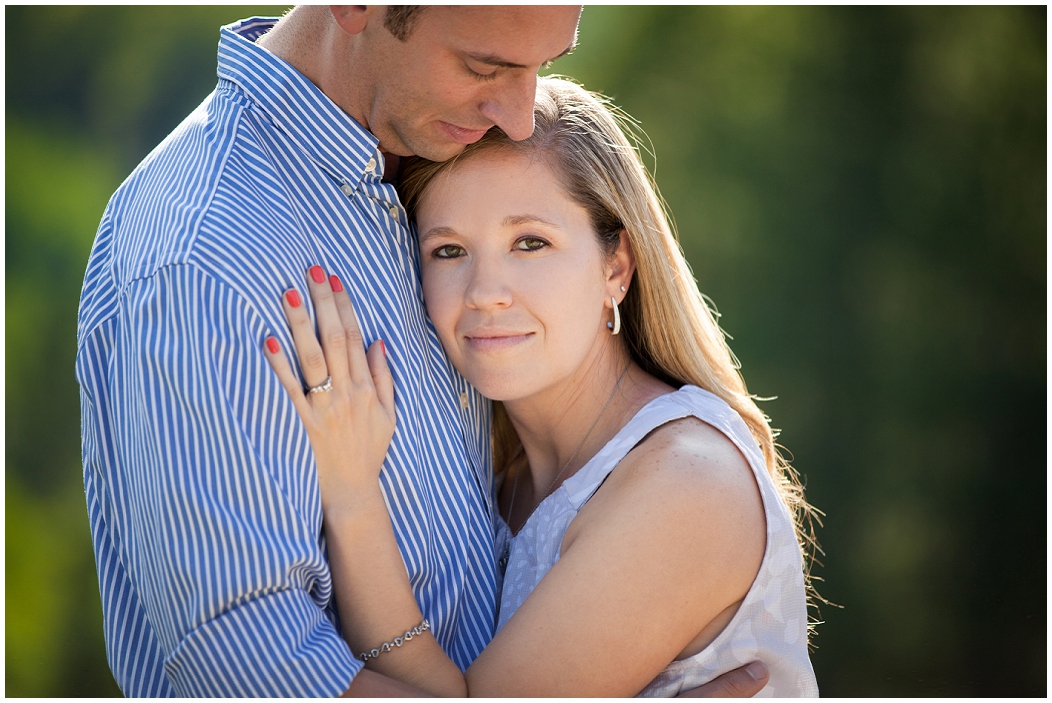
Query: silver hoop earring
[[614, 326]]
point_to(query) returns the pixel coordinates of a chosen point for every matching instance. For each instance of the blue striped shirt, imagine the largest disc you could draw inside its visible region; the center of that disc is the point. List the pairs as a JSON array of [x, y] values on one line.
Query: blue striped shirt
[[201, 488]]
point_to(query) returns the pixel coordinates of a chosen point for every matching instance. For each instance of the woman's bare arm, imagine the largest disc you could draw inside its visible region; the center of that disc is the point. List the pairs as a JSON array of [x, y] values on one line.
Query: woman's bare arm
[[744, 682], [675, 535], [624, 598]]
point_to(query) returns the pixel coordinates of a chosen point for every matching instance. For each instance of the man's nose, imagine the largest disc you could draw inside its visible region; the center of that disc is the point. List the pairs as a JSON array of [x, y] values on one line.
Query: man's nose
[[511, 109]]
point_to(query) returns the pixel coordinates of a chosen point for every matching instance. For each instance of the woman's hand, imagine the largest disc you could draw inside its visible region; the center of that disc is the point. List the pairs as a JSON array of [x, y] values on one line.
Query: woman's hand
[[350, 424]]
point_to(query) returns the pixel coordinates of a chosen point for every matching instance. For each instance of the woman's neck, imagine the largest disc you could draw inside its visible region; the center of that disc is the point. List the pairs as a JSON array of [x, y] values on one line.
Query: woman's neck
[[564, 426]]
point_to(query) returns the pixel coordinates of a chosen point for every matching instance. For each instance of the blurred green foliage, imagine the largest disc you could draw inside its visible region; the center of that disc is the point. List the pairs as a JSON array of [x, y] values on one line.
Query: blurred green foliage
[[862, 191]]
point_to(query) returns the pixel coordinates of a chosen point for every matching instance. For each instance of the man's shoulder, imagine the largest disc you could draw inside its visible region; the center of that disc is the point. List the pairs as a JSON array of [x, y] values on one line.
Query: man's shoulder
[[157, 216], [154, 214], [173, 210]]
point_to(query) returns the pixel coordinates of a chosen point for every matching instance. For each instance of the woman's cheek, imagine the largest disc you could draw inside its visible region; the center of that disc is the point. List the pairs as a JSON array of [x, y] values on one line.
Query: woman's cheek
[[432, 290], [568, 294], [440, 299]]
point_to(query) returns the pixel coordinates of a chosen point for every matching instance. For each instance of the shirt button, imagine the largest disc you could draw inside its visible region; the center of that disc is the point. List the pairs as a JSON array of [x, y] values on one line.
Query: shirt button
[[393, 212], [464, 400], [371, 165], [347, 189]]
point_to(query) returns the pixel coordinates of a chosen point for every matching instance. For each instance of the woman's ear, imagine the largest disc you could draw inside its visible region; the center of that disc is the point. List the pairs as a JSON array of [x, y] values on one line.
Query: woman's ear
[[620, 268], [352, 18]]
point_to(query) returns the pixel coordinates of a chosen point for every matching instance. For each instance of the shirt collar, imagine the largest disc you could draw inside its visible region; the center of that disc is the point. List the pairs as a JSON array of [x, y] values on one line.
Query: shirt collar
[[327, 134]]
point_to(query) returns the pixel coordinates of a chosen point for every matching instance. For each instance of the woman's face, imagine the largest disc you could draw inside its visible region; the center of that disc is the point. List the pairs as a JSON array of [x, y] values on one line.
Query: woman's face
[[513, 275]]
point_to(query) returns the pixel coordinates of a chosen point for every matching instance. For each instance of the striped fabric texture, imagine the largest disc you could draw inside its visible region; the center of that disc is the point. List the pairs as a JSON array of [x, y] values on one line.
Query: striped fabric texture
[[201, 488]]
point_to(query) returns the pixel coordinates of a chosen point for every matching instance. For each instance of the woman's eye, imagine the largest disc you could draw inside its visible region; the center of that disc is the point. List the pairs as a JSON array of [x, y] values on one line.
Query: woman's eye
[[530, 244], [447, 251]]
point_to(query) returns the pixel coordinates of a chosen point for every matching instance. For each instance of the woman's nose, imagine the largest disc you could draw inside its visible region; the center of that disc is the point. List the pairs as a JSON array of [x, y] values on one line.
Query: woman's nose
[[488, 288]]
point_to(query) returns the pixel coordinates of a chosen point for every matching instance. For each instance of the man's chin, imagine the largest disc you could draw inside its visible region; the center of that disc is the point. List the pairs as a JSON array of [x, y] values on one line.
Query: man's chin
[[431, 143], [438, 151]]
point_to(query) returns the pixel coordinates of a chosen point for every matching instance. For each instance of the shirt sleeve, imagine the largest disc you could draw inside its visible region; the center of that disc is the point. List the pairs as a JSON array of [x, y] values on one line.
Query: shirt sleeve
[[214, 503]]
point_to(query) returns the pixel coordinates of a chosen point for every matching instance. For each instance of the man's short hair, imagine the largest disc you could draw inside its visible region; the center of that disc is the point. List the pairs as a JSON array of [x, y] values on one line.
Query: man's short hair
[[400, 19]]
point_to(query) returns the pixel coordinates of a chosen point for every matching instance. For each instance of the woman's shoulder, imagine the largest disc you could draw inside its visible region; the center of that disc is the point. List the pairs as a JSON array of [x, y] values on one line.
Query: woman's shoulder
[[688, 478], [693, 461], [685, 503], [685, 445]]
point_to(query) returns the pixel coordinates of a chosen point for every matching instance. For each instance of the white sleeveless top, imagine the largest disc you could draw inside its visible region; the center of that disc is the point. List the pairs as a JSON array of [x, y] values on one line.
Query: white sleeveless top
[[771, 623]]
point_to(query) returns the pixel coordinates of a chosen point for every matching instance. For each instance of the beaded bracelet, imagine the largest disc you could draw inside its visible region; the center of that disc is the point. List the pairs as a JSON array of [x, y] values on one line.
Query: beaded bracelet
[[396, 642]]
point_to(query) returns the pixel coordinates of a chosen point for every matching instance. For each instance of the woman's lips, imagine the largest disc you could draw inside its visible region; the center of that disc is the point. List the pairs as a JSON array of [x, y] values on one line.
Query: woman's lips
[[461, 135], [488, 342]]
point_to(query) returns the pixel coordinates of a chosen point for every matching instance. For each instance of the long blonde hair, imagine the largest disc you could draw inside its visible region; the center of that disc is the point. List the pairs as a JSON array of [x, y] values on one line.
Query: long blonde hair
[[667, 325]]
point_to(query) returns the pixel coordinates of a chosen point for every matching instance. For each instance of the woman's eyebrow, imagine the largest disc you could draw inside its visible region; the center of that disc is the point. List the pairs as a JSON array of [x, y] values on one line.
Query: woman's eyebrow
[[437, 232], [515, 220], [509, 221]]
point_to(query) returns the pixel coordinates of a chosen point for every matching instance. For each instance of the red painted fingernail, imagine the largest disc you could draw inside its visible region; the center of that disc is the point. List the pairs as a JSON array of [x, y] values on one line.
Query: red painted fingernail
[[272, 345], [317, 274], [335, 284], [294, 298], [383, 348]]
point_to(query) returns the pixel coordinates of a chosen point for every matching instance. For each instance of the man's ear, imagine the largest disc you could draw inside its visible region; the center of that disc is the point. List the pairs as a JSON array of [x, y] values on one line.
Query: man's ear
[[621, 267], [352, 18]]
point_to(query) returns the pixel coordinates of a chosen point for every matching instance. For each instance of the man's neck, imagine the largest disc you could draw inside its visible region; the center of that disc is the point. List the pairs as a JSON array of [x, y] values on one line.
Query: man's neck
[[392, 167], [285, 39], [307, 38]]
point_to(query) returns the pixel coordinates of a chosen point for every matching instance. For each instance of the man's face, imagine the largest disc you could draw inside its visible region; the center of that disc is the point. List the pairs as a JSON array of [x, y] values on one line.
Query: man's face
[[461, 71]]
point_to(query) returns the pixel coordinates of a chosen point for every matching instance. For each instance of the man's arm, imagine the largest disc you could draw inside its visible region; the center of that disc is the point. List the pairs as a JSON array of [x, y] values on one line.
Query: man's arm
[[215, 509], [745, 682]]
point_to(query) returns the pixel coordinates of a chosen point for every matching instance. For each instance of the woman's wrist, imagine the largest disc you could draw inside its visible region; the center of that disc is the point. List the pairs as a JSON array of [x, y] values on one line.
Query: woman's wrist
[[354, 505], [347, 482]]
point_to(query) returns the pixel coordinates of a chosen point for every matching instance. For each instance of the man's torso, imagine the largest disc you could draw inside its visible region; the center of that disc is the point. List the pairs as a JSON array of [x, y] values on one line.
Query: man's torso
[[232, 209]]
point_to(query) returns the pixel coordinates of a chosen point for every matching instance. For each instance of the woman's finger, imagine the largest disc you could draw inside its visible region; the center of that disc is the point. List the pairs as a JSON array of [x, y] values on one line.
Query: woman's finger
[[383, 382], [280, 363], [359, 367], [308, 350], [330, 328]]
